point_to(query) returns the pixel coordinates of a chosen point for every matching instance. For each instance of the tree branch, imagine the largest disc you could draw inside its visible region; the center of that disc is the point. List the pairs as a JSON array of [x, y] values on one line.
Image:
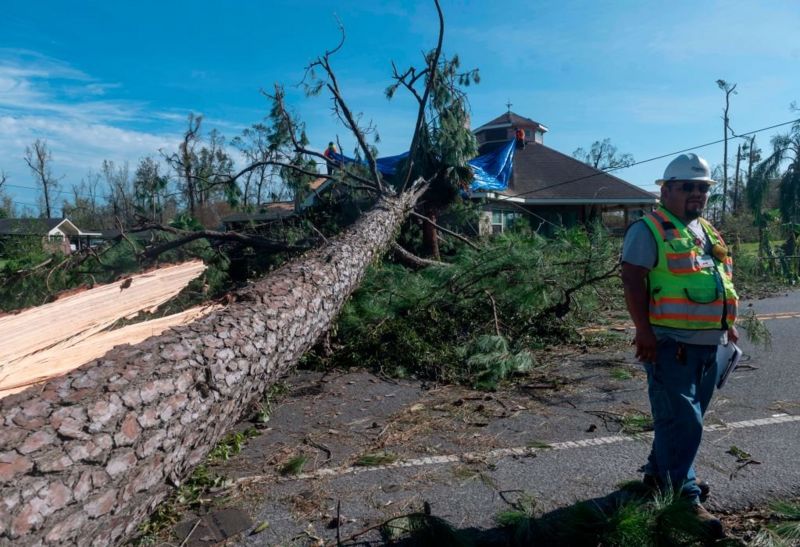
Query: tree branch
[[432, 67], [413, 261], [235, 237], [560, 309], [446, 231], [409, 84], [494, 312], [346, 113]]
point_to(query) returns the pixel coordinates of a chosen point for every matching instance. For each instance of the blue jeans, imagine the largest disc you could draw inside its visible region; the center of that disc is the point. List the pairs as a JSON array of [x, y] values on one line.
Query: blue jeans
[[680, 386]]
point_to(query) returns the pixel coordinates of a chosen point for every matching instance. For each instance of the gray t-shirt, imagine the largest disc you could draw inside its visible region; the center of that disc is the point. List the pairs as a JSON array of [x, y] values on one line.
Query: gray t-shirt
[[639, 249]]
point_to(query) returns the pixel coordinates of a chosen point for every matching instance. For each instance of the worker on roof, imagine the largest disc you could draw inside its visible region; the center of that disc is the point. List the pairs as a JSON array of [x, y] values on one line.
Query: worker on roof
[[519, 135], [677, 278], [330, 154]]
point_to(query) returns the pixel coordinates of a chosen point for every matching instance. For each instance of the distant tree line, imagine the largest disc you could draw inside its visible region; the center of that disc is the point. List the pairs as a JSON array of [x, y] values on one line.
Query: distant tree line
[[197, 179]]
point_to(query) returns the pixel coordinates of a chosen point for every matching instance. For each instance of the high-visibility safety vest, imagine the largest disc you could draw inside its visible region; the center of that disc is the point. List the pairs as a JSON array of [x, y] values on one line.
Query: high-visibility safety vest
[[686, 290]]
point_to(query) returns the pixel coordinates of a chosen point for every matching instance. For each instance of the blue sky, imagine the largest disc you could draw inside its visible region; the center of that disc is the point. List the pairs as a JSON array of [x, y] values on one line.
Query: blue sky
[[116, 80]]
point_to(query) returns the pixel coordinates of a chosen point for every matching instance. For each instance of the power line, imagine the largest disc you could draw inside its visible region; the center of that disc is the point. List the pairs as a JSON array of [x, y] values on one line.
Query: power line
[[81, 195], [654, 158], [27, 204]]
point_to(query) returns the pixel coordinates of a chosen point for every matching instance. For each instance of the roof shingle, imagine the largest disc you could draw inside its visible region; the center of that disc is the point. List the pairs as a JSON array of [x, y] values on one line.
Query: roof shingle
[[509, 118]]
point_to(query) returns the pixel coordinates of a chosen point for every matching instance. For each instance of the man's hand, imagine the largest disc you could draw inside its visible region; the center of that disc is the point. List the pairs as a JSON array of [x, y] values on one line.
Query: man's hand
[[733, 335], [646, 344]]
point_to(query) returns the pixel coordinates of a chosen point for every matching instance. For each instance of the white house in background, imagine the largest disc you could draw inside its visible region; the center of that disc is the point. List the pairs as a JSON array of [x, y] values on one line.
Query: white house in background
[[56, 233]]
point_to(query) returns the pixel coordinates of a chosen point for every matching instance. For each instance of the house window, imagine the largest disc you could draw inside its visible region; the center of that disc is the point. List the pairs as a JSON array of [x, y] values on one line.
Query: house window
[[502, 220]]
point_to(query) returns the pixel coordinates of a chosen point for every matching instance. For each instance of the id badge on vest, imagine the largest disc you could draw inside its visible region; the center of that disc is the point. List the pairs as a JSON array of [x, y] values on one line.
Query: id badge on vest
[[705, 262]]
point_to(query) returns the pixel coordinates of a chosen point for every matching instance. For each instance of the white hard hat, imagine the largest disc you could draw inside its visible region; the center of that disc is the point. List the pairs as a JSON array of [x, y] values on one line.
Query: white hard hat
[[687, 167]]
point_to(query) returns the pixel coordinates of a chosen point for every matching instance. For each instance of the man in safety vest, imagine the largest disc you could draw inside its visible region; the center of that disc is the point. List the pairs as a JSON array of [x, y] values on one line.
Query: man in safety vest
[[677, 275]]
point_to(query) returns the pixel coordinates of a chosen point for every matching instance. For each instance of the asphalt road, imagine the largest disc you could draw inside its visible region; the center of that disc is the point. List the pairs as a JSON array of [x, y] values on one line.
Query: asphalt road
[[468, 454]]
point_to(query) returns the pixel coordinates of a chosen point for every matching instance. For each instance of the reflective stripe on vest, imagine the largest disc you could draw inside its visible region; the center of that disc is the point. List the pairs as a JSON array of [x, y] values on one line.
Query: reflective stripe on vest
[[684, 294], [687, 310]]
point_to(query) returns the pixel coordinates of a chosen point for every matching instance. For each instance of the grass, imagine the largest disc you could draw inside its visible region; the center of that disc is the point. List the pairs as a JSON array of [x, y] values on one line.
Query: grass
[[538, 444], [751, 248], [231, 444], [294, 466], [193, 491], [636, 423], [620, 373], [373, 459]]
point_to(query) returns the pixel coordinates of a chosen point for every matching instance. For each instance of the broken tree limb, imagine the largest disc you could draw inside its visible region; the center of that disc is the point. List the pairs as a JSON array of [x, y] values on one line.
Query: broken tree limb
[[236, 237], [343, 110], [413, 261], [69, 354], [433, 65], [494, 313], [82, 314]]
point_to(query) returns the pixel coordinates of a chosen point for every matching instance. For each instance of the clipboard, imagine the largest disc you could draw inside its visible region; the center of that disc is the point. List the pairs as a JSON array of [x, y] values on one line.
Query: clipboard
[[727, 360]]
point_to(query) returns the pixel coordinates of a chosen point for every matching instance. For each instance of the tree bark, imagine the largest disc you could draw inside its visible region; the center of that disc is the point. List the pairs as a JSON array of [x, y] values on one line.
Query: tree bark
[[736, 179], [430, 239], [146, 414]]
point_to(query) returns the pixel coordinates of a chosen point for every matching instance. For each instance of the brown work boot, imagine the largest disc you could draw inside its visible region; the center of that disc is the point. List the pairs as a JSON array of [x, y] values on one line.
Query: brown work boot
[[651, 482], [711, 523]]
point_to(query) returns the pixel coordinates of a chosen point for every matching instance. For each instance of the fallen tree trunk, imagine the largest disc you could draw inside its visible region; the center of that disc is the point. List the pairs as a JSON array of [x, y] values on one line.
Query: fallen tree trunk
[[84, 458]]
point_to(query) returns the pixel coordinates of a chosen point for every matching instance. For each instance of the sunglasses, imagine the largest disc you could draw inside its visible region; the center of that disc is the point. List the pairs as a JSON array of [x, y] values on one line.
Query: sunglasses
[[689, 187]]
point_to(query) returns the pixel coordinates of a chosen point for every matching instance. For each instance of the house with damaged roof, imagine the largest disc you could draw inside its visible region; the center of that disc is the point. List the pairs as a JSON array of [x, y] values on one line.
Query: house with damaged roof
[[534, 182], [546, 186]]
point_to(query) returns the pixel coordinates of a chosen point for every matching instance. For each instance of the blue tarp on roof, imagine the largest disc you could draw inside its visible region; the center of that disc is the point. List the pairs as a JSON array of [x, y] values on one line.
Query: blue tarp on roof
[[492, 171]]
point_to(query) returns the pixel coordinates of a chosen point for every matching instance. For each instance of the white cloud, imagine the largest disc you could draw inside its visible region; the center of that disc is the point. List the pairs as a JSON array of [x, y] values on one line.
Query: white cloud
[[53, 90], [43, 98], [77, 146], [30, 64]]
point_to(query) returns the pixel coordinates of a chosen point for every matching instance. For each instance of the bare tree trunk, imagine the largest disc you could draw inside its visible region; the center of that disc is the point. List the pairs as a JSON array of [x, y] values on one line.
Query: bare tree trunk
[[750, 158], [729, 89], [38, 158], [430, 239], [736, 179], [725, 161]]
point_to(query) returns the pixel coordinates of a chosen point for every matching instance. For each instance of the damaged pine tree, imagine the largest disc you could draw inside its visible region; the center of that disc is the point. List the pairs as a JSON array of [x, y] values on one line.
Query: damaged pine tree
[[475, 320]]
